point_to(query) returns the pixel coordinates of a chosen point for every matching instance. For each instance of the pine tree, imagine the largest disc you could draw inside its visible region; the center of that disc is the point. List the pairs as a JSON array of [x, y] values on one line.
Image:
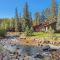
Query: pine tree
[[28, 20], [16, 20], [20, 24], [26, 15], [29, 31], [47, 12], [54, 13], [58, 20], [31, 22], [37, 18], [43, 17], [54, 10]]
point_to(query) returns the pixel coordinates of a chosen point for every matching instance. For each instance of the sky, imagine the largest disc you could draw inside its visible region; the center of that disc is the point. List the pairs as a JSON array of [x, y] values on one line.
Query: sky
[[7, 7]]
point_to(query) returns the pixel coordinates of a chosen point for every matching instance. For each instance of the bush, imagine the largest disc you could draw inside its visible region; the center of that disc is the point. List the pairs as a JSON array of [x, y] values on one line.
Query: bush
[[29, 31], [2, 32]]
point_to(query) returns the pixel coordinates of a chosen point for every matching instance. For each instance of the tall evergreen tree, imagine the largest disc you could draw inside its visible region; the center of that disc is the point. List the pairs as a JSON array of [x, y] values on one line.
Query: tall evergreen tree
[[26, 15], [54, 8], [43, 17], [37, 18], [28, 20], [47, 12], [58, 20], [31, 22], [16, 19], [20, 24], [54, 14]]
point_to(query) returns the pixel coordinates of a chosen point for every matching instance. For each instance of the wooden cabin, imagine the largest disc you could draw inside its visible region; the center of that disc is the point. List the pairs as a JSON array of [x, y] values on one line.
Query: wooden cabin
[[45, 26]]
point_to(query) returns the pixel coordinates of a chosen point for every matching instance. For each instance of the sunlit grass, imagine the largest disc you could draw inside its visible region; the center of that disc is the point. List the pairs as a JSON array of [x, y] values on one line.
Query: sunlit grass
[[44, 35]]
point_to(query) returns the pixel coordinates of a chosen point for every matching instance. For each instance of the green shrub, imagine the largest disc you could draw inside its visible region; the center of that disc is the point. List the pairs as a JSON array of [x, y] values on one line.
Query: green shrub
[[2, 32], [29, 31]]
